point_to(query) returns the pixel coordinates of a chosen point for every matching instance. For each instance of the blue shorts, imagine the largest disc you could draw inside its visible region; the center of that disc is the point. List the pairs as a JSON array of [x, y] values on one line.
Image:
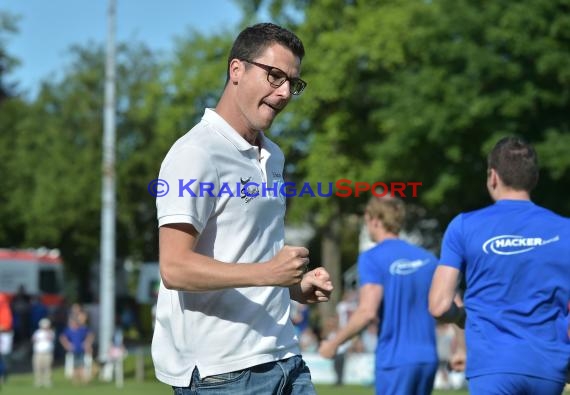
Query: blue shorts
[[416, 379], [287, 377], [78, 359], [508, 383]]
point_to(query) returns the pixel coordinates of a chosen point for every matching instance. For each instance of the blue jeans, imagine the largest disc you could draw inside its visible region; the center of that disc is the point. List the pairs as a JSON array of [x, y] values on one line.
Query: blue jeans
[[287, 377]]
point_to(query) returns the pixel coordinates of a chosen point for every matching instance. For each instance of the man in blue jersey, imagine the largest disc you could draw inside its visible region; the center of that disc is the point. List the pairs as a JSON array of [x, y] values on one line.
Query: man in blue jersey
[[516, 260], [394, 277]]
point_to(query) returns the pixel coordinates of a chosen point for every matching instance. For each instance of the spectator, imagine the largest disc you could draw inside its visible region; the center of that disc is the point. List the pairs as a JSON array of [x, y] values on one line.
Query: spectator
[[93, 313], [344, 310], [444, 336], [21, 304], [43, 341], [330, 330], [114, 363], [308, 340], [300, 316], [59, 320], [6, 334], [369, 338], [77, 340]]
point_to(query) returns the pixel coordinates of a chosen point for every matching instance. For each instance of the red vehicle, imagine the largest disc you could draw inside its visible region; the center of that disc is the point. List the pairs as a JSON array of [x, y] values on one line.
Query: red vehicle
[[39, 271]]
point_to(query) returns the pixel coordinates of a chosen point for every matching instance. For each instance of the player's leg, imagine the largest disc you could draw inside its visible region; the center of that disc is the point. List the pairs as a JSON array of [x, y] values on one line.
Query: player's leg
[[424, 378], [406, 380], [541, 386], [36, 367], [396, 381], [493, 384], [48, 371], [78, 367]]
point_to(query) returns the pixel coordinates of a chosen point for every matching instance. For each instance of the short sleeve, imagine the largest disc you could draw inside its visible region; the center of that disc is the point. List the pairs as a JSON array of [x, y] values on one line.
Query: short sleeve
[[369, 270], [187, 173], [452, 249]]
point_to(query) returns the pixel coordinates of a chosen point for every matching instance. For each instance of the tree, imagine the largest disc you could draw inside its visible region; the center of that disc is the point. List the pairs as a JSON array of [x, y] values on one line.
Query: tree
[[58, 150], [57, 157], [412, 90], [8, 26], [474, 72], [12, 111]]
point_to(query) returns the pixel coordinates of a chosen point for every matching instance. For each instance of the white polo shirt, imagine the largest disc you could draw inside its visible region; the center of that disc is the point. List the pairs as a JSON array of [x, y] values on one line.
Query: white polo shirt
[[223, 331]]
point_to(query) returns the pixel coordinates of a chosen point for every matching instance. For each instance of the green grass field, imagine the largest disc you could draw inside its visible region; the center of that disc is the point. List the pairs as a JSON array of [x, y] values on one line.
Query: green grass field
[[22, 384]]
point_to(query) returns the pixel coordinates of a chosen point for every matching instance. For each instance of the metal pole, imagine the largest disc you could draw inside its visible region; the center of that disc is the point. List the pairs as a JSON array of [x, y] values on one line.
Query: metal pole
[[107, 269]]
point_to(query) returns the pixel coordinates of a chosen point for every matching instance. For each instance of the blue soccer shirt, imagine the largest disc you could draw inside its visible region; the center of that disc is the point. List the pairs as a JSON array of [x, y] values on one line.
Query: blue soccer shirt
[[516, 260], [407, 330]]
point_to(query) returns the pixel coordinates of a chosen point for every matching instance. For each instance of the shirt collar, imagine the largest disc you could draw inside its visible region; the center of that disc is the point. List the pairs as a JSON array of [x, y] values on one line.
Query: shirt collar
[[225, 129]]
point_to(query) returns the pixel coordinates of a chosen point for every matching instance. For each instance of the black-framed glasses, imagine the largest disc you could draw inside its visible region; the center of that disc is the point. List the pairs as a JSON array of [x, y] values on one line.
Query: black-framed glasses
[[277, 77]]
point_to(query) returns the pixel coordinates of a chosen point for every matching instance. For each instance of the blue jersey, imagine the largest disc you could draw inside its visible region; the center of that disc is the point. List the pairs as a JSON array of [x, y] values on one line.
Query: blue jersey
[[76, 337], [407, 330], [516, 260]]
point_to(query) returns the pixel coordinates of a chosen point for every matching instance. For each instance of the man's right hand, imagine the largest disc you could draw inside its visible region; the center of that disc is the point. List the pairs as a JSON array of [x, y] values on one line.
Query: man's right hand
[[288, 266]]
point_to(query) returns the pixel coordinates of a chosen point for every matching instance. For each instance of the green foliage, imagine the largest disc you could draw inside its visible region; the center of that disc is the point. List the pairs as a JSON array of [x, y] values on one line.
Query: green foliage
[[12, 111], [53, 151], [420, 91], [8, 27]]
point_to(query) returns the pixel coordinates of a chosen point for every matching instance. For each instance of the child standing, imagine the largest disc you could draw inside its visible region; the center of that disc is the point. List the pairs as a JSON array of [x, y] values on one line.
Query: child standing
[[77, 339], [43, 342]]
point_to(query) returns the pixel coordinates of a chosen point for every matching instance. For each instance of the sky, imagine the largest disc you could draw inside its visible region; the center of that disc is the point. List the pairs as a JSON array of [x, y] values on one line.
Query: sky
[[47, 28]]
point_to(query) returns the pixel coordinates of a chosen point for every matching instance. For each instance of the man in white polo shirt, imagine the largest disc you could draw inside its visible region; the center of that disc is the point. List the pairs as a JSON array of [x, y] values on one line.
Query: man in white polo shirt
[[222, 320]]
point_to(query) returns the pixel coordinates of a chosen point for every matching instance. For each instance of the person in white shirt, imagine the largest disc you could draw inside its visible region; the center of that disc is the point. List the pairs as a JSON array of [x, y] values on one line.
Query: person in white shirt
[[43, 340], [227, 279]]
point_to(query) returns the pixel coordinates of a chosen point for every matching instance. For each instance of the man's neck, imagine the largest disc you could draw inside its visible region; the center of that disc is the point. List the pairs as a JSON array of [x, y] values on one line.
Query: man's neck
[[236, 121], [381, 236], [512, 194]]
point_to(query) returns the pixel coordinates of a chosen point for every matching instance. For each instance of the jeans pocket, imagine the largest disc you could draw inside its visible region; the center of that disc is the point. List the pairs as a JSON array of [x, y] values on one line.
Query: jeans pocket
[[224, 378]]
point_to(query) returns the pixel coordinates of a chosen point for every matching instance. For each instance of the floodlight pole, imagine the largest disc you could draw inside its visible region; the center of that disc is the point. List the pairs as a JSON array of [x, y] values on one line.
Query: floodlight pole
[[107, 264]]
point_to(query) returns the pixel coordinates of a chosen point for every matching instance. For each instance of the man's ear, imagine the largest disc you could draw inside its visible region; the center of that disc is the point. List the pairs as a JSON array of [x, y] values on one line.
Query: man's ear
[[492, 178], [236, 69]]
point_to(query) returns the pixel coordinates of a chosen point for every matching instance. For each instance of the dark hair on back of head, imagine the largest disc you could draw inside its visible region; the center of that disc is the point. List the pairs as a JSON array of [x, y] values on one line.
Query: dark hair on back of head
[[253, 40], [516, 163]]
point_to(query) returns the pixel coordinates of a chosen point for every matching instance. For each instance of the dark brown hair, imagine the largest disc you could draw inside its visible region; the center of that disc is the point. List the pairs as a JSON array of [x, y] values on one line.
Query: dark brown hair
[[516, 163], [253, 40]]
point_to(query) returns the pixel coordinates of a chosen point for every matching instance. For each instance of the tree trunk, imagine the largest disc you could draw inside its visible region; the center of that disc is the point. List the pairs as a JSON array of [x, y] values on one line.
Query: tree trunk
[[331, 260]]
